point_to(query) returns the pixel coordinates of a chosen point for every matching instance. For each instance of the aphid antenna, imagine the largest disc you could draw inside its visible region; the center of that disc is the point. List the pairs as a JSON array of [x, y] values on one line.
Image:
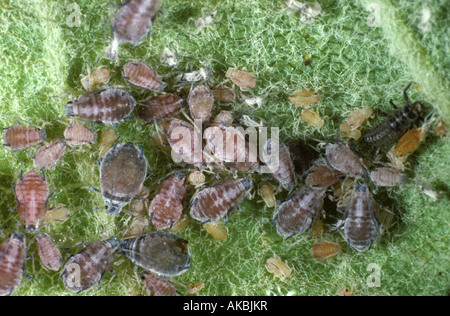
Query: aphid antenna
[[294, 243]]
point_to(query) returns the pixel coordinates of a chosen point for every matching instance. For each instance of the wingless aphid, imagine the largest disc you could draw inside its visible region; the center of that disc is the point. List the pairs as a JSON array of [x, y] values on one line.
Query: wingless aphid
[[285, 172], [156, 286], [77, 135], [343, 159], [162, 253], [201, 101], [391, 129], [48, 252], [19, 136], [47, 156], [12, 262], [141, 75], [87, 267], [122, 174], [159, 108]]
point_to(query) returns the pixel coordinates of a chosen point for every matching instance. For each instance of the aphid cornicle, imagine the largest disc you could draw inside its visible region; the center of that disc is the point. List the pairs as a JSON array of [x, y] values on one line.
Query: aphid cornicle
[[343, 159], [122, 174], [295, 215], [159, 108], [48, 252], [77, 135], [109, 106], [156, 286], [12, 262], [387, 177], [167, 205], [162, 253], [212, 203], [47, 156], [396, 124], [19, 136], [32, 194], [141, 75], [361, 221], [87, 267]]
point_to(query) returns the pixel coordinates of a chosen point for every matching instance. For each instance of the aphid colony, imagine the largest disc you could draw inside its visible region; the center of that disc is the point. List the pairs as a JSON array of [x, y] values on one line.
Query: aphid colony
[[224, 150]]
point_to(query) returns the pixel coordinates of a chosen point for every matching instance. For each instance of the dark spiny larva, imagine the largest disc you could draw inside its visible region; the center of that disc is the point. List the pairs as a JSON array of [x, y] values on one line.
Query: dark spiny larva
[[48, 252], [32, 194], [214, 202], [108, 106], [87, 267], [296, 214], [361, 222], [12, 262], [141, 75], [162, 253], [396, 124], [20, 136], [122, 174], [159, 108]]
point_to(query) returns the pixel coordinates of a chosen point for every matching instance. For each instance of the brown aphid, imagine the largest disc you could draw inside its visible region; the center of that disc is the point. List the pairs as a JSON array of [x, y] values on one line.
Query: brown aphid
[[194, 288], [185, 143], [167, 205], [361, 223], [48, 156], [60, 213], [304, 98], [311, 117], [12, 262], [141, 75], [159, 108], [317, 228], [214, 202], [200, 102], [196, 178], [162, 253], [344, 160], [77, 135], [132, 23], [137, 227], [279, 268], [356, 118], [285, 172], [325, 249], [244, 79], [216, 230], [87, 267], [107, 140], [409, 142], [224, 117], [156, 286], [122, 174], [98, 76], [387, 177], [109, 106], [223, 94], [296, 214], [32, 194], [322, 177], [48, 252], [266, 192], [19, 136]]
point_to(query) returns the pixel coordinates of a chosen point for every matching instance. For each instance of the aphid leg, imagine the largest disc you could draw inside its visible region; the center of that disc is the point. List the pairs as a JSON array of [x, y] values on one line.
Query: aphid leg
[[294, 243]]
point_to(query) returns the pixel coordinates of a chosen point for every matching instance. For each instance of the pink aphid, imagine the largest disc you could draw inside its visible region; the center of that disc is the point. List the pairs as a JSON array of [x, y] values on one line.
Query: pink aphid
[[12, 262], [19, 136], [141, 75], [48, 252], [48, 155], [79, 135]]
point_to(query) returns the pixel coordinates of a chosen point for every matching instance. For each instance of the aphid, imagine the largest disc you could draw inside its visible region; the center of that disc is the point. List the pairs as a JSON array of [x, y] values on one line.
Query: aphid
[[200, 102], [162, 253], [122, 173], [348, 131], [285, 172], [159, 108], [47, 156], [202, 74], [132, 22], [141, 75], [167, 205], [12, 262], [109, 106], [434, 195], [311, 117], [212, 203], [60, 213], [322, 177], [343, 159], [98, 76], [396, 124], [185, 143], [48, 252], [169, 58], [32, 196], [223, 94], [194, 288], [344, 291], [361, 222], [206, 20], [19, 136], [325, 249], [77, 135], [387, 177], [244, 79], [107, 140], [296, 214], [87, 267], [216, 230], [304, 98], [156, 286], [196, 178], [317, 228], [396, 161], [266, 192], [441, 129], [279, 268], [356, 118], [409, 142], [342, 192], [137, 227]]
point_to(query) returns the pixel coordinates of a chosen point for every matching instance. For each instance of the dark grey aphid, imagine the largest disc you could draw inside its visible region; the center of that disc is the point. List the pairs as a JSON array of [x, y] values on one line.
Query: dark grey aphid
[[397, 124], [344, 160], [162, 253], [122, 174], [87, 267], [12, 262], [361, 223], [296, 214]]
